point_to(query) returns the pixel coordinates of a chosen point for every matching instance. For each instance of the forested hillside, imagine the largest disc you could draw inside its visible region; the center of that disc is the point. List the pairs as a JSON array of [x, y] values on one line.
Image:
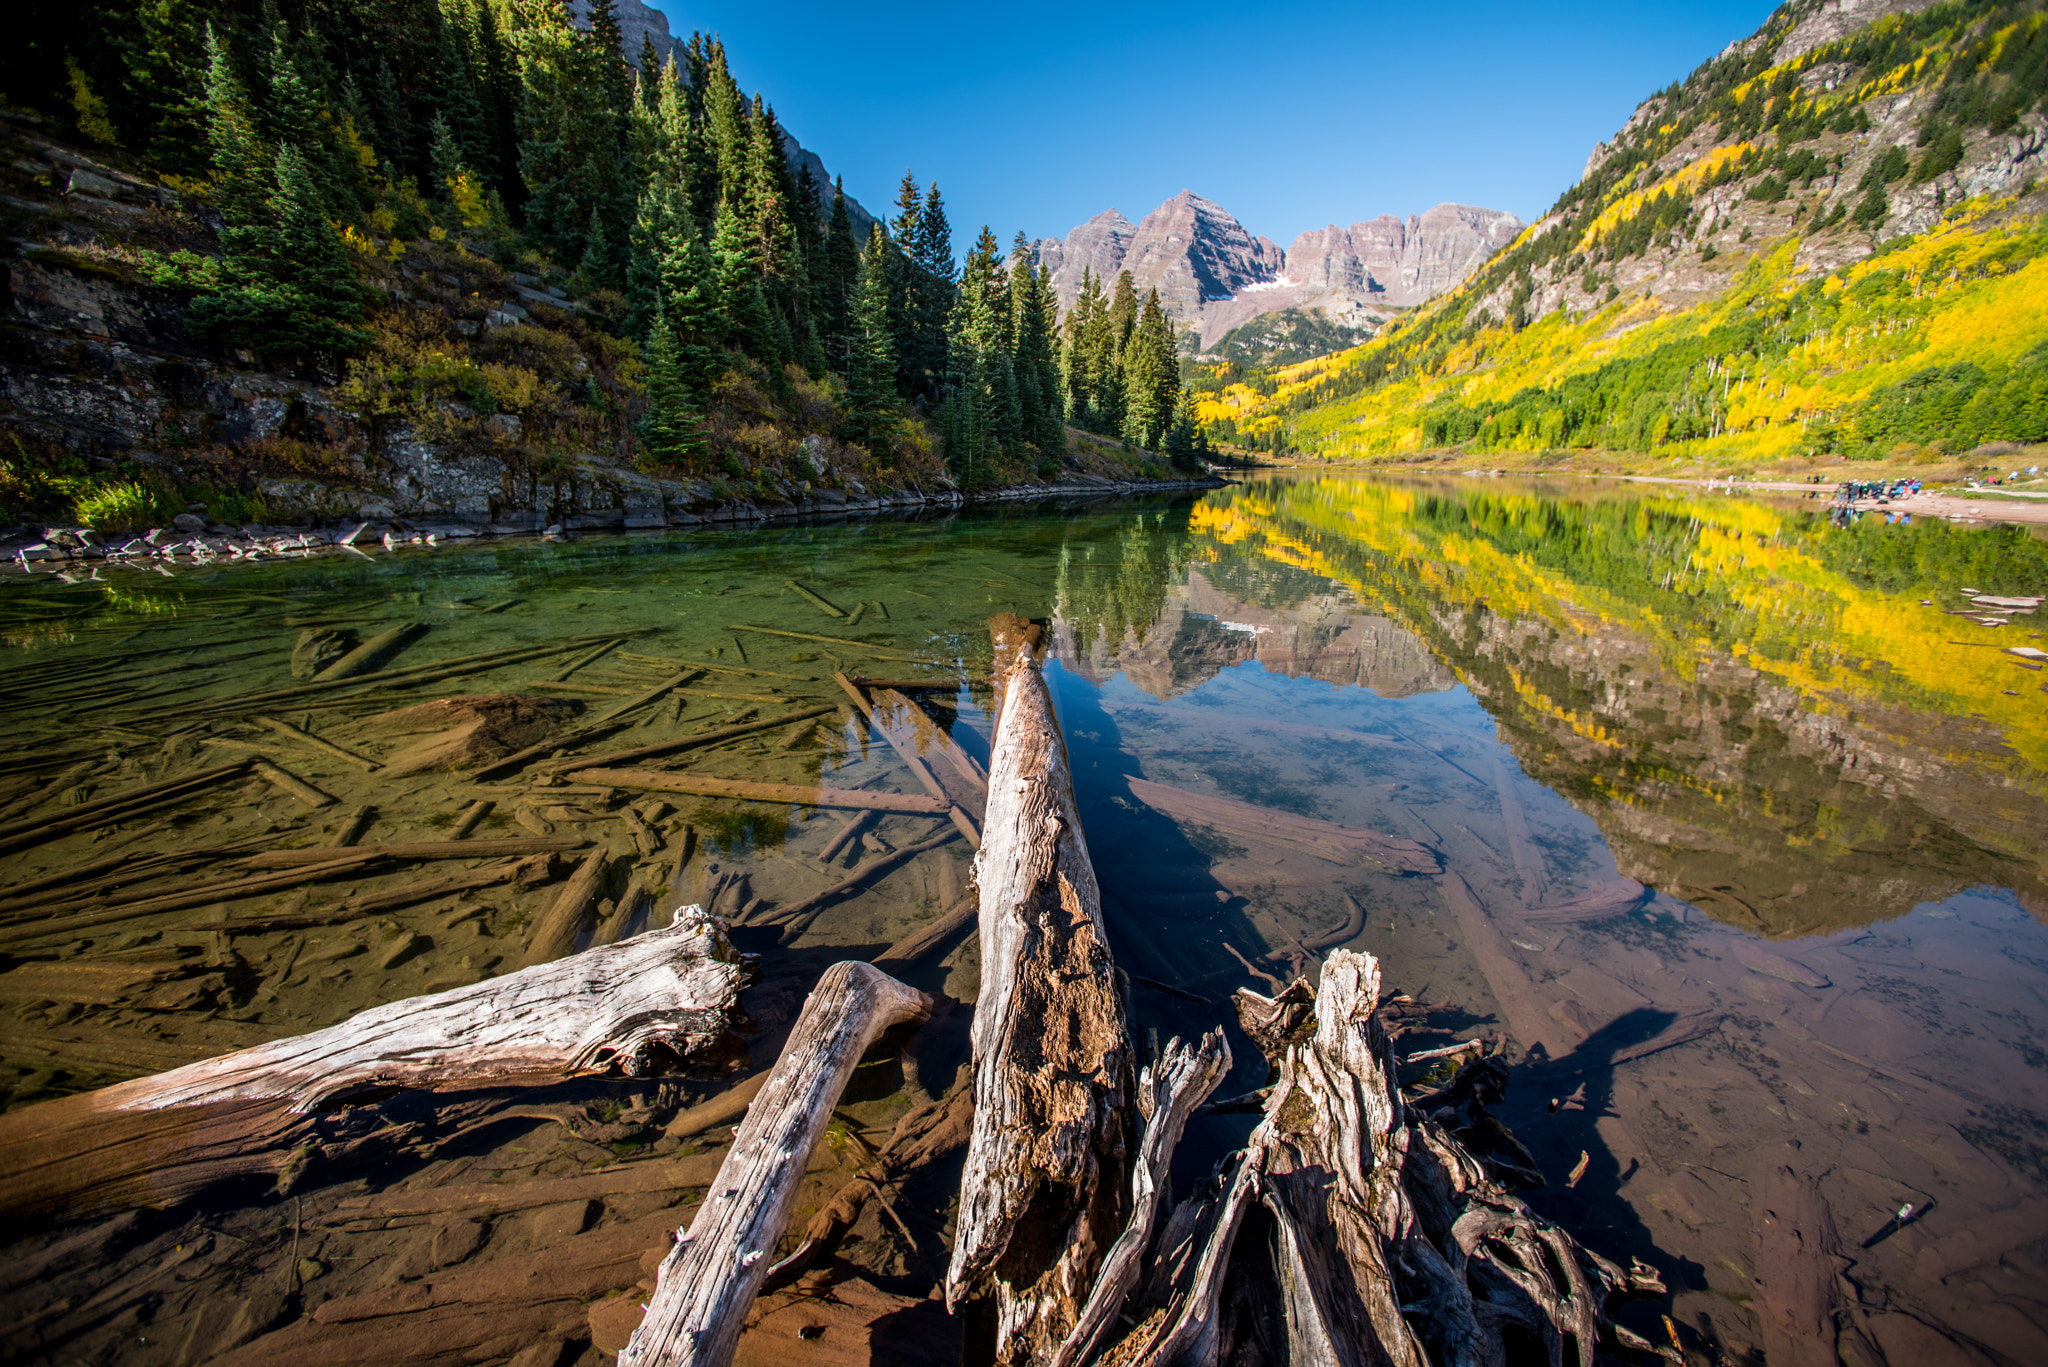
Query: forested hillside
[[1822, 243], [479, 225]]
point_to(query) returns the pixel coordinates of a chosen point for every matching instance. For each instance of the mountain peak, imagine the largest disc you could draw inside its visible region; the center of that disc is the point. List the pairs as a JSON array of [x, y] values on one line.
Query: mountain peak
[[1214, 275]]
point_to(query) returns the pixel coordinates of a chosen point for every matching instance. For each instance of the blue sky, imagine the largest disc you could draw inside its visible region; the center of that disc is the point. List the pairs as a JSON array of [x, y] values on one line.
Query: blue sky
[[1290, 116]]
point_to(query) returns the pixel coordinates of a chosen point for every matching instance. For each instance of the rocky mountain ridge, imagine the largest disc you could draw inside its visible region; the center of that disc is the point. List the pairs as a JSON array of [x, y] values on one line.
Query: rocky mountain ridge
[[1214, 275]]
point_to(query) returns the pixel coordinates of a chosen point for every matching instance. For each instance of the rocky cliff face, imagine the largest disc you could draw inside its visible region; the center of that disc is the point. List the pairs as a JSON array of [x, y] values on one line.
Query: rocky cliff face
[[1215, 276]]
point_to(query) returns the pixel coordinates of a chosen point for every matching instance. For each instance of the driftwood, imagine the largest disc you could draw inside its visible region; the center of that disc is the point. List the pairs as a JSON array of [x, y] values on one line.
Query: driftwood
[[1055, 1120], [711, 737], [1326, 839], [640, 700], [846, 835], [707, 1283], [709, 668], [568, 740], [270, 1109], [336, 862], [470, 818], [1384, 1238], [291, 783], [653, 780]]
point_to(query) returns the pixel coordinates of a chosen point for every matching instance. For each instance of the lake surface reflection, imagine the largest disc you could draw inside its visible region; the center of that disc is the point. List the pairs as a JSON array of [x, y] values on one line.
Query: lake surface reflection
[[1740, 820], [1820, 758]]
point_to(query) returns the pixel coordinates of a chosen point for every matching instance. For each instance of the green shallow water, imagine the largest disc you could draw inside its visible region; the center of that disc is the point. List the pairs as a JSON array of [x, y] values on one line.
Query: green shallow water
[[1830, 781]]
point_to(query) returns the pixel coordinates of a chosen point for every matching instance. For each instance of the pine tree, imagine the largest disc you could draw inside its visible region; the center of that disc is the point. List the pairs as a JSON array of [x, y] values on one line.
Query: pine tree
[[907, 297], [1185, 446], [241, 170], [747, 321], [841, 274], [725, 126], [670, 430], [287, 285], [871, 352], [1151, 376], [1037, 368]]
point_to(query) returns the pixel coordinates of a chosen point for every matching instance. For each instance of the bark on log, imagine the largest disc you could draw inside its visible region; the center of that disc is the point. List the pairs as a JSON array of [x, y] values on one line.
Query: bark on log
[[654, 780], [1054, 1120], [707, 1282], [158, 1140]]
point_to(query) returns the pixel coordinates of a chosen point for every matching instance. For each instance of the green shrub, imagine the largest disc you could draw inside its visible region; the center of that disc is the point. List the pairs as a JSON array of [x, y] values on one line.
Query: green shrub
[[123, 506]]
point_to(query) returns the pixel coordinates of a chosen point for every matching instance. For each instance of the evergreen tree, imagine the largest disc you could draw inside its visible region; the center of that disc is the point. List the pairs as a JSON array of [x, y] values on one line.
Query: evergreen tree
[[1037, 367], [908, 300], [670, 430], [840, 276], [572, 147], [748, 322], [241, 170], [980, 417], [1185, 445], [871, 352], [287, 286], [725, 126], [1151, 376]]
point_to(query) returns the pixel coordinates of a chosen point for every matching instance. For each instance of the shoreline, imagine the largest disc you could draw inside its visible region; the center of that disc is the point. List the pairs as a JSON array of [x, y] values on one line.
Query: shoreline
[[57, 549]]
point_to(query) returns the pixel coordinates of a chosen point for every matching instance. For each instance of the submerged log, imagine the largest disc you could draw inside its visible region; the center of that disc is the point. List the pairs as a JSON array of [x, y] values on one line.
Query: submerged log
[[670, 747], [708, 1281], [798, 915], [424, 849], [803, 795], [1327, 839], [1055, 1122], [906, 742], [35, 830], [271, 1109]]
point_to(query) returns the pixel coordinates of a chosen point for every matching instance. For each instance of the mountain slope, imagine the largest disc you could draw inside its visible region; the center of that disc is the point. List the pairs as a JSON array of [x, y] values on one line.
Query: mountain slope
[[1827, 240], [1215, 276]]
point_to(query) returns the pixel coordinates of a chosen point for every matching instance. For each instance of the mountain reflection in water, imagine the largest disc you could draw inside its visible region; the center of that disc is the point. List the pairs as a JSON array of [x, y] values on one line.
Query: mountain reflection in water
[[1562, 688]]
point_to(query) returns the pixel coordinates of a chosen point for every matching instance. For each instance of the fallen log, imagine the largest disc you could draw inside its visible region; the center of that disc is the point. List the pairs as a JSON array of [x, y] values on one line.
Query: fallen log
[[654, 780], [712, 737], [1327, 839], [905, 741], [429, 849], [556, 934], [708, 1281], [816, 600], [370, 653], [1055, 1121], [568, 740], [846, 834], [307, 738], [923, 941], [272, 1109], [1353, 927], [640, 700], [875, 652], [710, 668], [291, 783]]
